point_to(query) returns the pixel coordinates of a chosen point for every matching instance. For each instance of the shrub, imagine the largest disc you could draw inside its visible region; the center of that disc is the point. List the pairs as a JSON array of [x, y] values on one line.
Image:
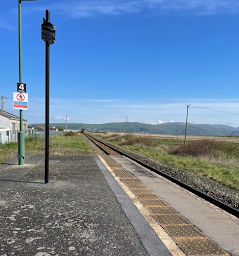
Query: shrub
[[70, 134], [59, 128], [207, 148]]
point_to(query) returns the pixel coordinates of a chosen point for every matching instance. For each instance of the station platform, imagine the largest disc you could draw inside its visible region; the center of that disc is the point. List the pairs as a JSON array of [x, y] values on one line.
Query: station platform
[[81, 211], [197, 226]]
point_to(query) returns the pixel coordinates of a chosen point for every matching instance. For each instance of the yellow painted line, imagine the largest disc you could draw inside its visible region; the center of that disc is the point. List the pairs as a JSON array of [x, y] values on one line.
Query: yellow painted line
[[165, 238]]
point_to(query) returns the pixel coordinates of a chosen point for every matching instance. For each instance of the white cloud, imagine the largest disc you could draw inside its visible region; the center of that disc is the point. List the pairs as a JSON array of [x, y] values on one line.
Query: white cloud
[[85, 8], [57, 118], [67, 118], [171, 121], [201, 111], [6, 25]]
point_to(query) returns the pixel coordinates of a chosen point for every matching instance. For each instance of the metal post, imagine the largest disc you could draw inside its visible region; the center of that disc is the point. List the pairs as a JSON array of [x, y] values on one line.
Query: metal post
[[186, 125], [21, 137], [20, 41], [47, 51], [66, 123]]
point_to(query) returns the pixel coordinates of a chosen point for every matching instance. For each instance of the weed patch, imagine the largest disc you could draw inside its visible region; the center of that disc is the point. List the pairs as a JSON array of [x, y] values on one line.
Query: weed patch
[[8, 150], [70, 134], [144, 141]]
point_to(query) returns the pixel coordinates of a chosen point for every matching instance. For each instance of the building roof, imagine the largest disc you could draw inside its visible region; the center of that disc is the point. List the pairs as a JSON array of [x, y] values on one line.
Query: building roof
[[10, 116]]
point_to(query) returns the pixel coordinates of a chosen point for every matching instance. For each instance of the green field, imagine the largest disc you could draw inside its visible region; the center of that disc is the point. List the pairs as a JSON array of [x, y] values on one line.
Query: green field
[[58, 145], [216, 160]]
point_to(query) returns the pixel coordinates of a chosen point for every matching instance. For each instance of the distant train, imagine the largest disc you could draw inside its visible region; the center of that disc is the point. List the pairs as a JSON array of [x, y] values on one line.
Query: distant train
[[83, 131]]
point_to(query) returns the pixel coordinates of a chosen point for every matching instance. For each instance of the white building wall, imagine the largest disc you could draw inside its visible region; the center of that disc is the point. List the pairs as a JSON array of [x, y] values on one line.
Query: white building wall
[[5, 123], [17, 125], [4, 137]]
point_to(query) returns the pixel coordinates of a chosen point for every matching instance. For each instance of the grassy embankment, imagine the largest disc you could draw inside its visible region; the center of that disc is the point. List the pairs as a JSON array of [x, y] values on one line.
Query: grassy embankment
[[62, 144], [213, 159]]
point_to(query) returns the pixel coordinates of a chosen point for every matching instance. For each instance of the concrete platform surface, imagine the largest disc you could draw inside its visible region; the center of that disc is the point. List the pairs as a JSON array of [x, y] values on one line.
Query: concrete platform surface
[[76, 213], [219, 226]]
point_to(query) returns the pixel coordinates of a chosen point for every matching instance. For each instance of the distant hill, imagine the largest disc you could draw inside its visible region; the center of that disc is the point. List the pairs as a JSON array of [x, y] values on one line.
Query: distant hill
[[165, 128], [235, 133]]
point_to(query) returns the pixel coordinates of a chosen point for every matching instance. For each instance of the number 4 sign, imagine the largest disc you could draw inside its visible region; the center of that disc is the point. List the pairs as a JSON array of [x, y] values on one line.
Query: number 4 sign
[[21, 87]]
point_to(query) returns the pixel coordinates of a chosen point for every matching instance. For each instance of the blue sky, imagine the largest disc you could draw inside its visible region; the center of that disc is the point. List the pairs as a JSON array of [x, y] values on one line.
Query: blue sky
[[144, 59]]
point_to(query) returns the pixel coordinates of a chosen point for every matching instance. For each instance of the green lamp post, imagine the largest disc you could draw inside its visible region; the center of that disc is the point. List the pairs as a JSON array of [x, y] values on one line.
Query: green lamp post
[[21, 135]]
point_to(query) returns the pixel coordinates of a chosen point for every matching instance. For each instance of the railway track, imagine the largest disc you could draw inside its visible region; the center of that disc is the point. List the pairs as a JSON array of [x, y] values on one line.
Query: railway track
[[112, 150]]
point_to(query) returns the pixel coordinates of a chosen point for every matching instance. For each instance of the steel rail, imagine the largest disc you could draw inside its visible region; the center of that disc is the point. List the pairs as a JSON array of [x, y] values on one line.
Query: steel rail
[[92, 140], [208, 198]]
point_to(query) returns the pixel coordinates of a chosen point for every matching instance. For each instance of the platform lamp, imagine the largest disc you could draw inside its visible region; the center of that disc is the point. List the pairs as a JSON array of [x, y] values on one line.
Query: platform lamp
[[21, 135]]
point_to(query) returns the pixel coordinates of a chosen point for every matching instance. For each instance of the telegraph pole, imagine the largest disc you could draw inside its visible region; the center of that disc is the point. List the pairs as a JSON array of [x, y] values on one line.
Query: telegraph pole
[[177, 131], [66, 123], [186, 124], [126, 124], [2, 103]]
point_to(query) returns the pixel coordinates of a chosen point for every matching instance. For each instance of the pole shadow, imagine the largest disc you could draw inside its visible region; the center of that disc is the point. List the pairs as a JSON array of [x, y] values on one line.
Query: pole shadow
[[24, 181]]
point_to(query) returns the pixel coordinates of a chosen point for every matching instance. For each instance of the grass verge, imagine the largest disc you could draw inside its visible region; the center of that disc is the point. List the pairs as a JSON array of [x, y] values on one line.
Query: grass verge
[[215, 160], [8, 151], [75, 144]]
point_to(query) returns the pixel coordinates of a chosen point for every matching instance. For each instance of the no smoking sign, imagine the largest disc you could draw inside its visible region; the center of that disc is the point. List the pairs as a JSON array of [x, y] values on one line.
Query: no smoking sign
[[20, 97], [20, 101]]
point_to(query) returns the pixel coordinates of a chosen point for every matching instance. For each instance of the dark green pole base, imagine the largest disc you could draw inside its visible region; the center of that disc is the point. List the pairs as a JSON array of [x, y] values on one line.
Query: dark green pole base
[[21, 148]]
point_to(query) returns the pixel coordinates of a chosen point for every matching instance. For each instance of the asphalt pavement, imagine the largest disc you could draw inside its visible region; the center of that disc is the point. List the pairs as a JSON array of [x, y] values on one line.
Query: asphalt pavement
[[81, 211]]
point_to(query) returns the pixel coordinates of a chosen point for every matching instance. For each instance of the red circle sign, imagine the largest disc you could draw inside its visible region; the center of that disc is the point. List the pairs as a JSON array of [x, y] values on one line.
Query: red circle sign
[[20, 97]]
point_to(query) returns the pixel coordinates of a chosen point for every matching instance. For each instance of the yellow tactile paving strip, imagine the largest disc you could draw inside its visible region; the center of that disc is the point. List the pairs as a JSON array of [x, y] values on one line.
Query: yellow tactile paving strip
[[188, 237]]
